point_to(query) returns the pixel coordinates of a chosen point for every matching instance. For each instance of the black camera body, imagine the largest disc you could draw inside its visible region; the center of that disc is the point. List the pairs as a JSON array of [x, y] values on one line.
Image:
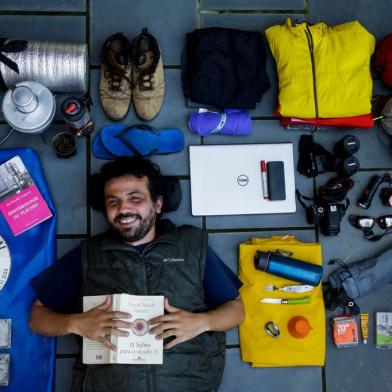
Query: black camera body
[[327, 216], [329, 205]]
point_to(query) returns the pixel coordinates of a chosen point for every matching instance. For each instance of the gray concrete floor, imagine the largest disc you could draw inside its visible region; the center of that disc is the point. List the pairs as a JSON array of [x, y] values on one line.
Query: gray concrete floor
[[359, 369]]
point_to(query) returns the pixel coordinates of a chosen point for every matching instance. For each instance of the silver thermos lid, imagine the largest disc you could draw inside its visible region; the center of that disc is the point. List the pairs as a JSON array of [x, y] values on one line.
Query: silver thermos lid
[[29, 107]]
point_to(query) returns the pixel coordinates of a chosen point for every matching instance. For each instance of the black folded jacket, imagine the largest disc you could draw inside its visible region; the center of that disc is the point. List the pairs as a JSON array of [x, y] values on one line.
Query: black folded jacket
[[225, 67]]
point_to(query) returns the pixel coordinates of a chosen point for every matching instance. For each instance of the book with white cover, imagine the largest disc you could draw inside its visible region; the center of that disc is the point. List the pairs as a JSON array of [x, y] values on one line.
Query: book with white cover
[[140, 347]]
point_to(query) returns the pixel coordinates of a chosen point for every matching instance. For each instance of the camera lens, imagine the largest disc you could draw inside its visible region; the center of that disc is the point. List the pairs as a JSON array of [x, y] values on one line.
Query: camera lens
[[348, 166], [347, 146]]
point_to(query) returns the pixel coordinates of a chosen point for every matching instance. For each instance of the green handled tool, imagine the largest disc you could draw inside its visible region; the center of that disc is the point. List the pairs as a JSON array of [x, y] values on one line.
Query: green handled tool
[[286, 301]]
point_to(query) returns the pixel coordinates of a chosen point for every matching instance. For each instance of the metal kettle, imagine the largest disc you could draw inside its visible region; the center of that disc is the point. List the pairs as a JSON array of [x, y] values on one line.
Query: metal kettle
[[29, 107]]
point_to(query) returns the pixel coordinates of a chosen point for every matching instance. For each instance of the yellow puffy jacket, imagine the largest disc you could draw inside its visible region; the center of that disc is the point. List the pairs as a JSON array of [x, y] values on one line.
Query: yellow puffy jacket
[[323, 71]]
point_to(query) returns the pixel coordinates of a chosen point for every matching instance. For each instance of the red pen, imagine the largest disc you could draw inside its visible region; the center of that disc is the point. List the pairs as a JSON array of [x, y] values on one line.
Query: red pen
[[264, 179]]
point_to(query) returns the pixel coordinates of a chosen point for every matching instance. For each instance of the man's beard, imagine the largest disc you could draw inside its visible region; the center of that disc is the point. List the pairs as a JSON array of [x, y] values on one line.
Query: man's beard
[[137, 231]]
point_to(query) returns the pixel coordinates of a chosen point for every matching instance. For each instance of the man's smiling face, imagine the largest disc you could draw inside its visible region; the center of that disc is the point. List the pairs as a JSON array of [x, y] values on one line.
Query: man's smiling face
[[130, 211]]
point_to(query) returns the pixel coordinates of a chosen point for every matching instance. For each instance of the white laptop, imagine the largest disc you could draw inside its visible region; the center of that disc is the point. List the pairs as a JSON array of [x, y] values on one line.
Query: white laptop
[[226, 179]]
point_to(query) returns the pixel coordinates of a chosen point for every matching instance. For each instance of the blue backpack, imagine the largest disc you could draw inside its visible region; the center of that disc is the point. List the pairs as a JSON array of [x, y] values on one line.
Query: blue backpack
[[32, 357]]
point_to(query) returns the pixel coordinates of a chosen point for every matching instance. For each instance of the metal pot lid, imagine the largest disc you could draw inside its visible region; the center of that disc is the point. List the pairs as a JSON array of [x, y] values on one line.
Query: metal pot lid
[[5, 262], [29, 107]]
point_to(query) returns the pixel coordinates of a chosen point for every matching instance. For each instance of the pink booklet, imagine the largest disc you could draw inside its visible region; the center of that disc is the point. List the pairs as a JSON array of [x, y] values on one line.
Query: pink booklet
[[21, 203]]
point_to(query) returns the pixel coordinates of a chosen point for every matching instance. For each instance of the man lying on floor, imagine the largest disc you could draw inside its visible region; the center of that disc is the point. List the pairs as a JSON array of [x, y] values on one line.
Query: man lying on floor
[[201, 292]]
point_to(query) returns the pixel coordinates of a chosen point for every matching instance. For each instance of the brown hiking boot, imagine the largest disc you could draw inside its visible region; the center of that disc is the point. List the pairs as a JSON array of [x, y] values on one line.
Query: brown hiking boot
[[115, 79], [148, 84]]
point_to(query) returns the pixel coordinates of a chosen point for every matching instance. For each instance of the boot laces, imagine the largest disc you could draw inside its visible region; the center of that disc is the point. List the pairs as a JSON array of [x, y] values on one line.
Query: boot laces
[[116, 79]]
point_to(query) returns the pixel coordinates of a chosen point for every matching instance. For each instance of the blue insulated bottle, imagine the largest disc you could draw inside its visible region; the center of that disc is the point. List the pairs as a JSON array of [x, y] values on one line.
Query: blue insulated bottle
[[286, 267]]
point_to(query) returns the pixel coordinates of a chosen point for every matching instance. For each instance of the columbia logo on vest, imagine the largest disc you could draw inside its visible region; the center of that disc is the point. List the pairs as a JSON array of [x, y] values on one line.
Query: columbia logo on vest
[[174, 260]]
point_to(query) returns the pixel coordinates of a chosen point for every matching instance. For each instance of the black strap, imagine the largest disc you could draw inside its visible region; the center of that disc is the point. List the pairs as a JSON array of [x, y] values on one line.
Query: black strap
[[314, 158], [347, 200], [300, 197], [377, 237], [13, 46], [88, 101], [338, 276], [3, 86], [337, 298], [347, 304]]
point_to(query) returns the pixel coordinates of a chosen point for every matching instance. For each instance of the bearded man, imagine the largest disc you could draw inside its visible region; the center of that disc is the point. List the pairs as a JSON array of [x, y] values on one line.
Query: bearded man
[[142, 255]]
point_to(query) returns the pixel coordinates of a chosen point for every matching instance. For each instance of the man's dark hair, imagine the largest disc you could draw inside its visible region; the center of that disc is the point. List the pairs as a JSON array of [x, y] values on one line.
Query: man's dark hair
[[124, 166]]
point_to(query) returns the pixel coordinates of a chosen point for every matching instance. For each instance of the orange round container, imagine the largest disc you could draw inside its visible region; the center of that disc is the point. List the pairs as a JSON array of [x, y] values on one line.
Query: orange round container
[[299, 327]]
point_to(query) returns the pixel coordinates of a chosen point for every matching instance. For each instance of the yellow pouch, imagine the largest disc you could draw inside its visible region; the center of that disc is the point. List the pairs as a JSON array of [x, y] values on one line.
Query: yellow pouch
[[257, 346]]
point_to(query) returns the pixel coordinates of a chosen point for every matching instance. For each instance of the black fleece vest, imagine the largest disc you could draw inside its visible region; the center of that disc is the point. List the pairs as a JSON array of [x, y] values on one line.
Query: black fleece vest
[[172, 265]]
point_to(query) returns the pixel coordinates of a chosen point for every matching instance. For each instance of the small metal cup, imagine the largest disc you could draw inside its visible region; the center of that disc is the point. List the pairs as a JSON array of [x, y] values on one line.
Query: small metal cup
[[24, 99], [64, 145]]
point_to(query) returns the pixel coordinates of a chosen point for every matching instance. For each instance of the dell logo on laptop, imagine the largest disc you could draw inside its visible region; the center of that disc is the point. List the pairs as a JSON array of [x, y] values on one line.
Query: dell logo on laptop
[[243, 180]]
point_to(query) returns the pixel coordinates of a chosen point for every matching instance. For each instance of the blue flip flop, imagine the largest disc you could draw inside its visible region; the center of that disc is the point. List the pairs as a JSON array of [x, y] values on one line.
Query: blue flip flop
[[141, 140], [99, 149]]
